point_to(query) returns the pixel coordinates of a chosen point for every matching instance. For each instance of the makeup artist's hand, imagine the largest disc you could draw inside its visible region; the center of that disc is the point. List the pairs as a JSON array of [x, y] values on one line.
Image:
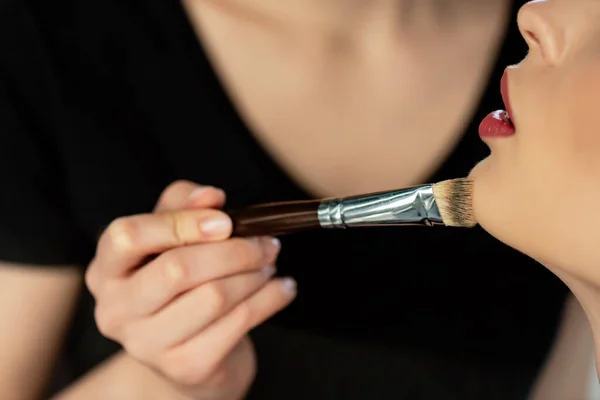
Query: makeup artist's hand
[[180, 295]]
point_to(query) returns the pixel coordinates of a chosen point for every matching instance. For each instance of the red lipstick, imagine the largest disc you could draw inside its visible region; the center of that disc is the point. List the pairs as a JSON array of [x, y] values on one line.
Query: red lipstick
[[499, 123]]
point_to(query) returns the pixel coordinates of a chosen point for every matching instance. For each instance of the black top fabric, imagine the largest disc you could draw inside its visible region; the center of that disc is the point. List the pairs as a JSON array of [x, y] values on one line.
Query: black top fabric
[[104, 102]]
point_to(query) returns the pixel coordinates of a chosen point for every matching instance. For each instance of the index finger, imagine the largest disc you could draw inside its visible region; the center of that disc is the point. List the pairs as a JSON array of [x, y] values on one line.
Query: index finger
[[186, 194], [129, 241]]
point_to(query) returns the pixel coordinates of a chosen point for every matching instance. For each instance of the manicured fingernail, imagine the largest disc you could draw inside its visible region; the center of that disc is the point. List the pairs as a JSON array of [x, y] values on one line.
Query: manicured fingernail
[[268, 270], [271, 247], [289, 286], [216, 226]]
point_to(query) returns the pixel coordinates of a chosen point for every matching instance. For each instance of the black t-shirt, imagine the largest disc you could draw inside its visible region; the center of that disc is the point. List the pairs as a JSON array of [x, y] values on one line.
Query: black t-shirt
[[103, 103]]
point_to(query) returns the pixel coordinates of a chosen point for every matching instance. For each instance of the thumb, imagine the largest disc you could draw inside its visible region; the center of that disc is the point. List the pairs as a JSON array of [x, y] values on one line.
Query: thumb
[[185, 195]]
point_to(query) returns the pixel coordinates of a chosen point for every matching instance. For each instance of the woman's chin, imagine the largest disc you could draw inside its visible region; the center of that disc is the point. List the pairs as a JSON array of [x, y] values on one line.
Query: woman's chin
[[490, 211], [481, 176], [497, 206]]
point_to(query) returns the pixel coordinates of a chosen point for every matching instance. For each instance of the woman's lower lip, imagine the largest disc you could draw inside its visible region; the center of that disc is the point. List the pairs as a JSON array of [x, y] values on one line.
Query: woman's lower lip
[[496, 125]]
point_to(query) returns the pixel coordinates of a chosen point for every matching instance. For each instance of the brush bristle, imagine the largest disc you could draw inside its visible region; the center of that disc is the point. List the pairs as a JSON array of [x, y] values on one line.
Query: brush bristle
[[454, 199]]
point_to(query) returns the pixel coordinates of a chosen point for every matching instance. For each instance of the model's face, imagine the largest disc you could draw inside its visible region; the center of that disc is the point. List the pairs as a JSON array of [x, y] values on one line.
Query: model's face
[[539, 190]]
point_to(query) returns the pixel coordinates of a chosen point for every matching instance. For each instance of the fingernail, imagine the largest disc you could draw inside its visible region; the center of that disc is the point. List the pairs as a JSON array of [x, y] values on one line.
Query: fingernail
[[289, 286], [271, 247], [216, 225], [268, 270]]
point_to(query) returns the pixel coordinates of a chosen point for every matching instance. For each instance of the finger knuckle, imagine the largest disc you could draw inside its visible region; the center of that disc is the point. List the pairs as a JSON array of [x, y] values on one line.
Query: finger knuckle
[[121, 234], [175, 271], [215, 298]]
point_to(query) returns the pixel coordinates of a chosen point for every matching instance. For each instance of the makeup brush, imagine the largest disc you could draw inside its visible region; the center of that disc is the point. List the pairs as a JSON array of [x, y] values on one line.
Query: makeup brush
[[446, 203]]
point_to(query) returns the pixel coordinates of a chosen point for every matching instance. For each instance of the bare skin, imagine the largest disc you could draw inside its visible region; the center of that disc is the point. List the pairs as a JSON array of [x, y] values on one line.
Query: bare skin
[[370, 103], [32, 332], [344, 68], [538, 191], [569, 370]]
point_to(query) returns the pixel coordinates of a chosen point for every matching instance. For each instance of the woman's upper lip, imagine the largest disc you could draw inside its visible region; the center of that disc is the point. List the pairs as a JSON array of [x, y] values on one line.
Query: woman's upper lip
[[506, 95]]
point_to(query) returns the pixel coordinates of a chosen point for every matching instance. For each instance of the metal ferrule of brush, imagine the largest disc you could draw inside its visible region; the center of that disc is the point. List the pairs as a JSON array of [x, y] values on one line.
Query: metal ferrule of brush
[[413, 206]]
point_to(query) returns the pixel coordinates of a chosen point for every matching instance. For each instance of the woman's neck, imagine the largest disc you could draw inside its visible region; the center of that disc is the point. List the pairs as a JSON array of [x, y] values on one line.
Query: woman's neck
[[358, 21], [346, 18]]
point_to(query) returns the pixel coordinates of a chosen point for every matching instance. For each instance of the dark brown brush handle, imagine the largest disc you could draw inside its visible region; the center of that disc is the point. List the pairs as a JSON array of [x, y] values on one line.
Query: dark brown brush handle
[[276, 219]]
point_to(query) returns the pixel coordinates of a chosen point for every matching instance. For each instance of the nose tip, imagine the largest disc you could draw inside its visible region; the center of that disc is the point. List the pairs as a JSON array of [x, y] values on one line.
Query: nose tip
[[539, 28]]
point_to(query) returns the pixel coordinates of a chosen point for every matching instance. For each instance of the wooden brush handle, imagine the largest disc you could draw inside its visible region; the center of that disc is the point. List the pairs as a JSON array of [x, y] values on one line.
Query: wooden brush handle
[[276, 219]]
